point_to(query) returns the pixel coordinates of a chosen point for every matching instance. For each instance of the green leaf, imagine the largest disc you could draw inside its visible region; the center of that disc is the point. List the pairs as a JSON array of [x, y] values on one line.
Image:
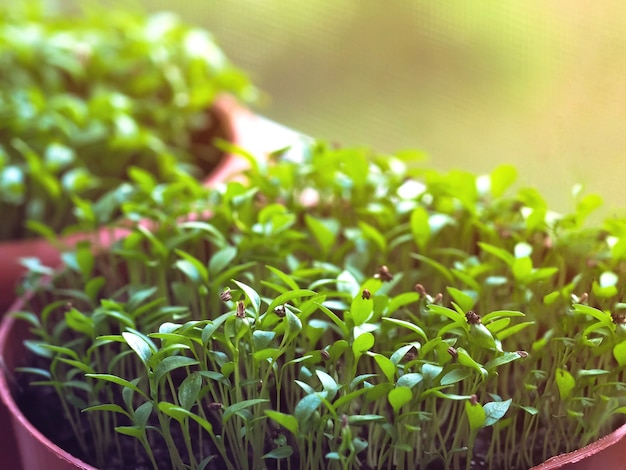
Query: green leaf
[[439, 267], [335, 319], [591, 372], [357, 420], [480, 336], [362, 343], [409, 380], [323, 235], [501, 253], [251, 294], [287, 280], [619, 353], [465, 359], [497, 314], [420, 228], [513, 330], [406, 324], [430, 372], [80, 322], [306, 406], [117, 380], [108, 407], [495, 410], [463, 299], [522, 269], [294, 325], [371, 233], [221, 259], [192, 267], [399, 354], [281, 452], [530, 410], [385, 364], [179, 414], [189, 390], [237, 407], [398, 397], [289, 422], [212, 326], [289, 296], [476, 415], [600, 315], [142, 414], [327, 381], [359, 379], [401, 300], [498, 325], [565, 383], [171, 363], [587, 204], [133, 431], [139, 345], [361, 310], [262, 339], [501, 178], [456, 375], [501, 360]]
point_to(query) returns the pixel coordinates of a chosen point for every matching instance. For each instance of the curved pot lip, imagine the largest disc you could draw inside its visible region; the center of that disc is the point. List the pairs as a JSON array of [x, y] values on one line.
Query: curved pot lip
[[238, 122], [6, 328], [560, 461]]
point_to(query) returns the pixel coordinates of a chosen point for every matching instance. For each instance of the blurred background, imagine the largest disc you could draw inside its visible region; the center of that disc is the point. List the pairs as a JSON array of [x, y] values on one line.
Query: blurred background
[[471, 83]]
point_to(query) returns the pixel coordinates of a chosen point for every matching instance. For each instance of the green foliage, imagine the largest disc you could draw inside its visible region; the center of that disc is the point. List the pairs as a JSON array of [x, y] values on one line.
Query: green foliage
[[338, 310], [99, 109]]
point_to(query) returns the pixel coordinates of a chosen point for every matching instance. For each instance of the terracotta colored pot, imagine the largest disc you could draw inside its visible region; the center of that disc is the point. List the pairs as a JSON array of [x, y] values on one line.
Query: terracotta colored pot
[[238, 125]]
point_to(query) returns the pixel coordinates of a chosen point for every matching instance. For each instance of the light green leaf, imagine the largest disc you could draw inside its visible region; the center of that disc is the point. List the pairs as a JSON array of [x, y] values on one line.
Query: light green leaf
[[411, 326], [138, 344], [385, 364], [251, 294], [324, 236], [168, 364], [565, 383], [420, 228], [281, 452], [476, 415], [237, 407], [398, 397], [619, 353], [495, 410], [306, 406], [289, 422]]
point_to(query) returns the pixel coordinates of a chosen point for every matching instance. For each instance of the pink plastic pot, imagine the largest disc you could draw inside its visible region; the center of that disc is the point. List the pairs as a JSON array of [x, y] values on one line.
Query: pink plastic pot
[[239, 127], [607, 453], [38, 452], [23, 446]]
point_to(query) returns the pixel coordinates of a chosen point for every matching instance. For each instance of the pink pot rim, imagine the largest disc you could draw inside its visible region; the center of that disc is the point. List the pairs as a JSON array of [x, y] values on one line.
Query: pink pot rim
[[578, 455]]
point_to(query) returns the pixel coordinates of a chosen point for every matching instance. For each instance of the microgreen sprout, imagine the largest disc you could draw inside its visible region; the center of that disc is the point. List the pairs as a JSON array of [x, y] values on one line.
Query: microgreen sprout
[[99, 107], [379, 328]]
